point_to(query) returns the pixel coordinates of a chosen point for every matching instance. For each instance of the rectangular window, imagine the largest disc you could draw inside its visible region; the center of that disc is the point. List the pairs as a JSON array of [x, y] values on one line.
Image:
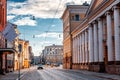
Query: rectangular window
[[77, 18], [0, 14], [3, 16], [73, 18]]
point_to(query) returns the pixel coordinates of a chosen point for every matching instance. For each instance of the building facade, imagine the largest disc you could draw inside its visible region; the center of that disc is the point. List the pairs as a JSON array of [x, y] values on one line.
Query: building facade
[[96, 40], [24, 55], [16, 57], [42, 57], [52, 54], [72, 17], [55, 56], [9, 50], [31, 55], [3, 17], [2, 26]]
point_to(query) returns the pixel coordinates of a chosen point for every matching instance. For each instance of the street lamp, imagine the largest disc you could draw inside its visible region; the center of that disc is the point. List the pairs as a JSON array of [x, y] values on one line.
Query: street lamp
[[20, 50]]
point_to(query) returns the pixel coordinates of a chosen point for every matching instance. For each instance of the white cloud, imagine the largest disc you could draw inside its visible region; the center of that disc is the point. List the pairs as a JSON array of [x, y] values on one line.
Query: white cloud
[[50, 35], [41, 8], [53, 25], [26, 21], [44, 42], [9, 17]]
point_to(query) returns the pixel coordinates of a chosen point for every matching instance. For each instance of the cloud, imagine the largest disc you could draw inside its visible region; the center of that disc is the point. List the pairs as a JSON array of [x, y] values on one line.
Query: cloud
[[49, 35], [26, 21], [9, 17], [45, 42], [53, 25], [40, 8]]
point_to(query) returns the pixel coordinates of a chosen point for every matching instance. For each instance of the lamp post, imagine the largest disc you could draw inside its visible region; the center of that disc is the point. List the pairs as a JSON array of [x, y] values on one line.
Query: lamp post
[[20, 50]]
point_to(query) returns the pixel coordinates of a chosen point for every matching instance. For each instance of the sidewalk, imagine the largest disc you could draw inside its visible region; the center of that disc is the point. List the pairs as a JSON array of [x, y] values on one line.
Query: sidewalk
[[13, 75], [101, 75]]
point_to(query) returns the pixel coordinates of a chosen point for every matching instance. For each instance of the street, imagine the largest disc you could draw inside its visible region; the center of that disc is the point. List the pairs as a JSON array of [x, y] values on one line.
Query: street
[[61, 74], [57, 73]]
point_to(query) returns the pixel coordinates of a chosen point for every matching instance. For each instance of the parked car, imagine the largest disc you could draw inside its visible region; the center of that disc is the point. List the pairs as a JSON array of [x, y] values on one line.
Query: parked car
[[40, 66]]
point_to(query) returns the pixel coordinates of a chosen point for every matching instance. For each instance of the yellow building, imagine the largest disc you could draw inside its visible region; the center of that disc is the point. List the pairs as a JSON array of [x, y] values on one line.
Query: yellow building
[[16, 61], [24, 53], [95, 42]]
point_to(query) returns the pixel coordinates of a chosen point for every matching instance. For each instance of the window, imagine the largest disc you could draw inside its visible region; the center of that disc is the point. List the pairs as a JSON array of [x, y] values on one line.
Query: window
[[77, 18], [50, 49], [0, 14], [72, 18]]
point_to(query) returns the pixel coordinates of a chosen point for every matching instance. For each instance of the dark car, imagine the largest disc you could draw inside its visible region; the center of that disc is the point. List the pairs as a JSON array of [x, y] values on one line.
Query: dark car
[[40, 66]]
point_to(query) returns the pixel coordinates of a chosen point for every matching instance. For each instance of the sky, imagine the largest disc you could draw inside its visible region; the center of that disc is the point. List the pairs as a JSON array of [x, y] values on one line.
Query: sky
[[39, 21]]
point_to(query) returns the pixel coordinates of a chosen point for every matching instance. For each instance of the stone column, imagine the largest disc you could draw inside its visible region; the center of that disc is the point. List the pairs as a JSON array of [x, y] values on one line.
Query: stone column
[[86, 52], [87, 46], [91, 58], [109, 38], [117, 32], [95, 42], [77, 49], [73, 49], [83, 45], [100, 40], [80, 49]]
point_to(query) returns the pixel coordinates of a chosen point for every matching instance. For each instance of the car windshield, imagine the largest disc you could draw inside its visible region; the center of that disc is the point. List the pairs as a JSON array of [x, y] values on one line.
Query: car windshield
[[40, 65]]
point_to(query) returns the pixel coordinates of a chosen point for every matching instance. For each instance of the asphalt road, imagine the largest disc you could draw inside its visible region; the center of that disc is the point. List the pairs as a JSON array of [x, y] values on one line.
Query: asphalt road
[[60, 74]]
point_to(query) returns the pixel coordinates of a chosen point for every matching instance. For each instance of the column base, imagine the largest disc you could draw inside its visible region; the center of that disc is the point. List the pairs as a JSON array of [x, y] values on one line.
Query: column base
[[91, 63], [102, 67], [111, 62], [96, 63], [117, 62]]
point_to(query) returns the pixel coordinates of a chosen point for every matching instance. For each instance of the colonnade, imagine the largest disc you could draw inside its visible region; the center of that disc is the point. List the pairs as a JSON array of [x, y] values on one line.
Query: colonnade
[[88, 45]]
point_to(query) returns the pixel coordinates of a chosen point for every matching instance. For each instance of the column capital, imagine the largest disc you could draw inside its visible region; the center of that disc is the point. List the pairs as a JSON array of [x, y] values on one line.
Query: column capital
[[86, 30], [99, 19], [115, 7], [94, 22], [73, 38], [90, 24], [80, 34], [83, 32], [108, 13]]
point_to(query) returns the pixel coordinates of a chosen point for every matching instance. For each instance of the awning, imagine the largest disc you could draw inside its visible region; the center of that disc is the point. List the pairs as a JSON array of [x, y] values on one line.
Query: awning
[[9, 32], [7, 50]]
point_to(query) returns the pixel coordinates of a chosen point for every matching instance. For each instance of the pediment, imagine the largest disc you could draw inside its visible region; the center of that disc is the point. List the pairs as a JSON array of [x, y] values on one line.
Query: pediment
[[94, 4]]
